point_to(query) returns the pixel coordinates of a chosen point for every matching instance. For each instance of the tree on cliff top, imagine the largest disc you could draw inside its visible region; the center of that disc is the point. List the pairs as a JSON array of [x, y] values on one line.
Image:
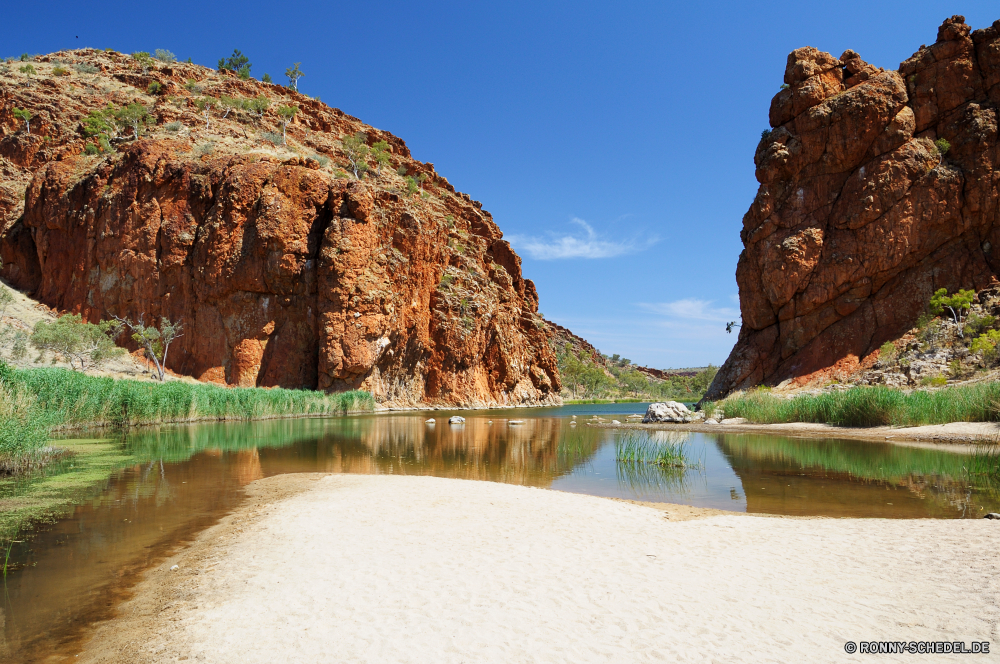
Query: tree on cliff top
[[294, 74], [356, 149], [238, 63], [155, 342], [144, 59]]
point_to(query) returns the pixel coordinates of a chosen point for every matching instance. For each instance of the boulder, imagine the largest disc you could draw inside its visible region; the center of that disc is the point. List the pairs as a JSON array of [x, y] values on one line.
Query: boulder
[[670, 411], [456, 419]]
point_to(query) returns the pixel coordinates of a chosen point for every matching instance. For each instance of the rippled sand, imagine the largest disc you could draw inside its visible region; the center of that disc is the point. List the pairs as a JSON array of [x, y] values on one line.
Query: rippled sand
[[352, 568]]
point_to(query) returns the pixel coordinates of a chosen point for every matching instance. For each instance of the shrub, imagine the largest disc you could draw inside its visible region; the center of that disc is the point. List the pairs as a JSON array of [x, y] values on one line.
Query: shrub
[[784, 86], [976, 324], [25, 57], [380, 150], [942, 146], [987, 345], [192, 86], [91, 149], [28, 70], [204, 149], [934, 381], [238, 63], [6, 299], [765, 135], [411, 185], [174, 126], [273, 137], [323, 161], [75, 341], [154, 88], [164, 56], [133, 117], [257, 106], [144, 60], [84, 68], [887, 354], [266, 78], [401, 171], [60, 71]]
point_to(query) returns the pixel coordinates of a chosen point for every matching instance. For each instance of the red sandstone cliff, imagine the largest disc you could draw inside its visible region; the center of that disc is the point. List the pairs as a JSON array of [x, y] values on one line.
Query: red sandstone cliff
[[284, 270], [858, 218]]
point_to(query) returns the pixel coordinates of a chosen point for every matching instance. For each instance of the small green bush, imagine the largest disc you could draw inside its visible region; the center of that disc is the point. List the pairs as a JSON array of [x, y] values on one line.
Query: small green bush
[[60, 71], [976, 324], [266, 78], [934, 381], [942, 146], [29, 70], [174, 126], [273, 137], [91, 149], [765, 135], [887, 354], [204, 149], [84, 68], [154, 88], [164, 56], [324, 161]]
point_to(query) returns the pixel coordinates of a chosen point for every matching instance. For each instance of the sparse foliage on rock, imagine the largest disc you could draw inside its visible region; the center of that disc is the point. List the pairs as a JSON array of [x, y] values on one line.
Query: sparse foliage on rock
[[285, 115], [144, 60], [380, 151], [294, 74], [24, 115], [164, 56], [356, 150]]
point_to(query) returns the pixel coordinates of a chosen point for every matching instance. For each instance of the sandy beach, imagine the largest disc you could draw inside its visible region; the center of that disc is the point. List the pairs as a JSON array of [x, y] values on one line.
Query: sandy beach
[[377, 568]]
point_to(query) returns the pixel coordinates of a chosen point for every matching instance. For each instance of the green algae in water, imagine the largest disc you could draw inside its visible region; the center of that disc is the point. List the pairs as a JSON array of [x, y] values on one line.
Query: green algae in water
[[51, 493]]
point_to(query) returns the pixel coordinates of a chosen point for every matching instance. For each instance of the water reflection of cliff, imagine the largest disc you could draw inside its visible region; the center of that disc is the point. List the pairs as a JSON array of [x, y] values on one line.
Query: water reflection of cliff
[[853, 478], [532, 453]]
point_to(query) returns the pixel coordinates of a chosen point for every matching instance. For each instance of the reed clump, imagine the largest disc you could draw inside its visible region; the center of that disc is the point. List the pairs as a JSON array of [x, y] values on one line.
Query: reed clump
[[638, 447], [871, 406], [33, 402]]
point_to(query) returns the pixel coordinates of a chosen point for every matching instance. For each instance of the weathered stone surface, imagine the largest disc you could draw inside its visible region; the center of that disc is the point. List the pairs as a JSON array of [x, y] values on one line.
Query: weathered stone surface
[[858, 219], [669, 411], [284, 271]]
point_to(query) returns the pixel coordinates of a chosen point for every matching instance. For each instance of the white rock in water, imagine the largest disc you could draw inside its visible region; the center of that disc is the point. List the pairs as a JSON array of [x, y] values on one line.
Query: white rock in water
[[430, 421], [456, 419], [671, 411], [615, 422], [516, 422], [711, 420]]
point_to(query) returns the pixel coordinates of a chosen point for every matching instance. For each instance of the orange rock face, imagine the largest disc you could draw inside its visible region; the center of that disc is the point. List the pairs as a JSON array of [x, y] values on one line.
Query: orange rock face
[[284, 271], [859, 218]]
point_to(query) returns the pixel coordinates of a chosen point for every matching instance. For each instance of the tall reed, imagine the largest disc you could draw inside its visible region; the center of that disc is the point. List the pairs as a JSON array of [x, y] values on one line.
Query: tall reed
[[34, 401], [871, 406]]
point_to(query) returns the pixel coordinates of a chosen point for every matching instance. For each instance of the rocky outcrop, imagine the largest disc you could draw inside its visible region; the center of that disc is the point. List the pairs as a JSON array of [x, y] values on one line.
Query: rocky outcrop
[[285, 270], [859, 216]]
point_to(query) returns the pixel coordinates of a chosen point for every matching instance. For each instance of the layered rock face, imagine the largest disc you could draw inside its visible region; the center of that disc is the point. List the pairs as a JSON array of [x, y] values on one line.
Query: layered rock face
[[859, 218], [284, 270]]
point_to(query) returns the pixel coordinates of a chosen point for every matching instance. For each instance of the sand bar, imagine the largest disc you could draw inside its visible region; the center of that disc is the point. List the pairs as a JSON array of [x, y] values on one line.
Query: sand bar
[[362, 568], [953, 432]]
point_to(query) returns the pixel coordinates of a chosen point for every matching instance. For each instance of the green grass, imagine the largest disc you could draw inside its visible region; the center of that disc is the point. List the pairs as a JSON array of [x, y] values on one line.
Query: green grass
[[639, 447], [871, 406], [33, 402], [621, 400]]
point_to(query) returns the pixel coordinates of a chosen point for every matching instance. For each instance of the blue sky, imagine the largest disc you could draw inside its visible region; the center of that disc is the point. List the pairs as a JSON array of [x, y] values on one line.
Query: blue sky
[[613, 142]]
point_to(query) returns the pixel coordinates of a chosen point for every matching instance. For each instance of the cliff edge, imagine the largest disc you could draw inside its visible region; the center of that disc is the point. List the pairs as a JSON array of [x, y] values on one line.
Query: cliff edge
[[285, 267], [876, 188]]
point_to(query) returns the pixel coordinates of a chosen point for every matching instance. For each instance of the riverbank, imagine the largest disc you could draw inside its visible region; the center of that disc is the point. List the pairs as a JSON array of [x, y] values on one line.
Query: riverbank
[[953, 432], [411, 569]]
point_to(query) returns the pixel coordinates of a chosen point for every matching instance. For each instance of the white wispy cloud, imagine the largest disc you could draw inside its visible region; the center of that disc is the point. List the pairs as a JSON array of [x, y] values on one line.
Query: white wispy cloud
[[693, 309], [586, 245]]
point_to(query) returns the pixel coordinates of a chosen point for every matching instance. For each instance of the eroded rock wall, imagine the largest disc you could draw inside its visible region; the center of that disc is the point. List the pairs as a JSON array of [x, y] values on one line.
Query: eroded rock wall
[[859, 218], [284, 271]]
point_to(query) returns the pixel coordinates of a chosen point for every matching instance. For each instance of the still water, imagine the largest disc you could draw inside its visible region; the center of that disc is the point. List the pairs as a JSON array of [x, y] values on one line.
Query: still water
[[165, 485]]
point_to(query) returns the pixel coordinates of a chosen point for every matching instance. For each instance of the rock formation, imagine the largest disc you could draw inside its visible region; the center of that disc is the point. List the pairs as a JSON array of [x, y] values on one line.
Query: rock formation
[[285, 269], [860, 216]]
